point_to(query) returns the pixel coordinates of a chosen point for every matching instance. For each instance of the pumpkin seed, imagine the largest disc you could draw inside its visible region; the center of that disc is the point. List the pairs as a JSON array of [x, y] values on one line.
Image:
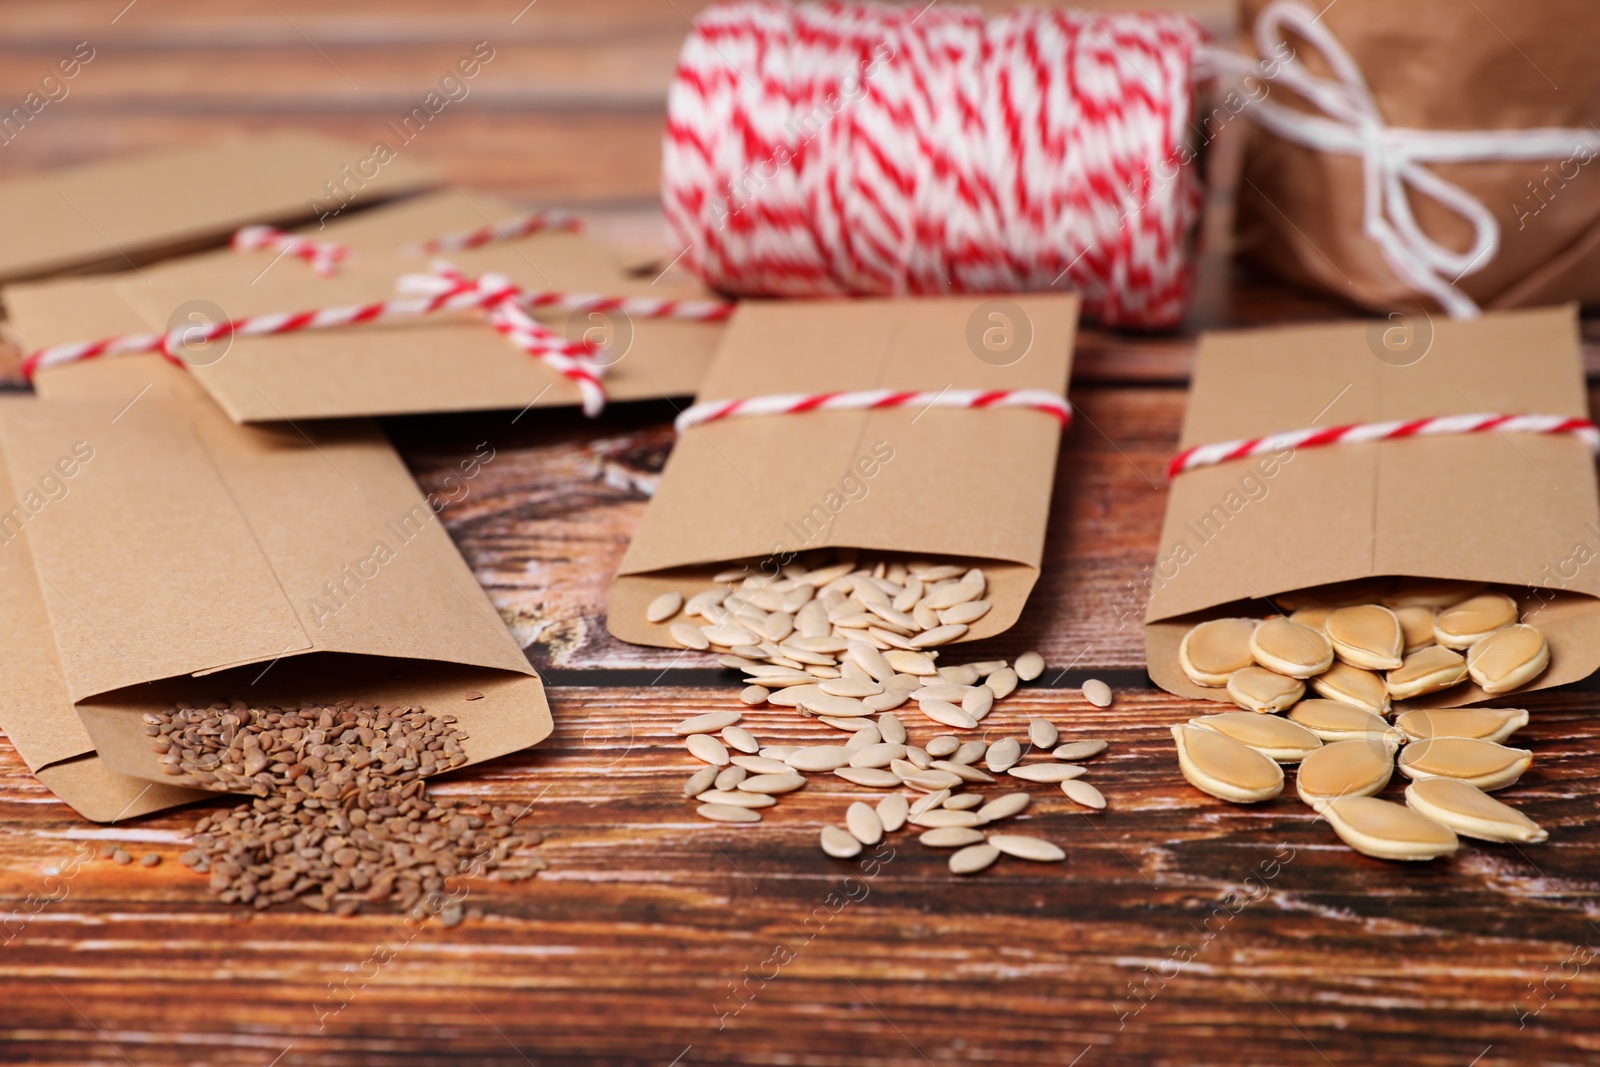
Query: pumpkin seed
[[1225, 768], [1426, 671], [973, 859], [1003, 754], [1353, 685], [739, 738], [729, 777], [1097, 693], [943, 745], [707, 748], [1470, 621], [928, 802], [709, 723], [689, 636], [917, 664], [947, 714], [1003, 681], [1076, 750], [1485, 764], [1211, 651], [1047, 772], [1277, 739], [1042, 733], [1260, 690], [1003, 806], [1433, 593], [857, 727], [1485, 724], [736, 799], [754, 694], [978, 702], [891, 728], [1508, 658], [865, 734], [871, 777], [1366, 636], [1387, 830], [863, 823], [818, 758], [963, 802], [936, 817], [969, 753], [664, 606], [963, 771], [950, 837], [1416, 627], [772, 783], [1029, 666], [1471, 812], [1288, 648], [892, 812], [727, 813], [1085, 794], [1344, 769], [761, 764], [1027, 848], [839, 844], [1332, 720], [878, 755], [700, 781]]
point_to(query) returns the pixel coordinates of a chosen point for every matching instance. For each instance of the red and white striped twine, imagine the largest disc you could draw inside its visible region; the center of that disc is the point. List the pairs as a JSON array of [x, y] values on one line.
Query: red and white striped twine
[[1439, 425], [323, 256], [504, 230], [1053, 404], [846, 148]]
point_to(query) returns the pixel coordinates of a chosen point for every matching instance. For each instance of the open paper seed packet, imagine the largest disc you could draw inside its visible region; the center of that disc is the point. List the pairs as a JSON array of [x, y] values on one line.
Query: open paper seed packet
[[1370, 522], [449, 361], [967, 486]]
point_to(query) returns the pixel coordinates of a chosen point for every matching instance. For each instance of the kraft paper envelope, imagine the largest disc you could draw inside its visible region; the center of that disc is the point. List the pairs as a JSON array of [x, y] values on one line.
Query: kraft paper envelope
[[1515, 509], [185, 558], [120, 213], [764, 488], [448, 362]]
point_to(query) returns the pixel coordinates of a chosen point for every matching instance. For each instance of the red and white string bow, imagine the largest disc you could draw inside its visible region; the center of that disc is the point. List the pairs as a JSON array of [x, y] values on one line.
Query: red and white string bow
[[1053, 404], [848, 148], [1439, 425], [323, 256]]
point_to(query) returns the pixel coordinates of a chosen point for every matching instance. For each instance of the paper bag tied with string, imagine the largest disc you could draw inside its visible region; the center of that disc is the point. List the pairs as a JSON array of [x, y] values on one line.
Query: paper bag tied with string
[[119, 213], [453, 361], [1516, 509], [177, 556], [963, 485]]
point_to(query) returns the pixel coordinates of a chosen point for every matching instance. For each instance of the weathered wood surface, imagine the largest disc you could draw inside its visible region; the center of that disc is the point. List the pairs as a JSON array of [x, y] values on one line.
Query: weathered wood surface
[[649, 922]]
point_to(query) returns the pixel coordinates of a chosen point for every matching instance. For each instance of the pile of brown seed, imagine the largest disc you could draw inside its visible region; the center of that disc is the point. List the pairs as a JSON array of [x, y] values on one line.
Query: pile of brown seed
[[342, 817], [1341, 641]]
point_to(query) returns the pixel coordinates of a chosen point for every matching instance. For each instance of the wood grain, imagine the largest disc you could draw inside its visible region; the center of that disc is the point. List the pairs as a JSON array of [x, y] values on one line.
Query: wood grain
[[649, 922]]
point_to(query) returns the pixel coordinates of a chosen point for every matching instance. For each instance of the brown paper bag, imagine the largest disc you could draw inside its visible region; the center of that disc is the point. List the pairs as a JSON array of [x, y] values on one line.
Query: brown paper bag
[[448, 362], [119, 214], [182, 557], [765, 488], [1517, 509], [1436, 65]]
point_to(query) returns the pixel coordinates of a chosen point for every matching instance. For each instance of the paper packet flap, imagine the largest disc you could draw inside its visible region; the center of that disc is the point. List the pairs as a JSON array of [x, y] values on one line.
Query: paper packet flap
[[119, 212], [1483, 507], [183, 544], [765, 486]]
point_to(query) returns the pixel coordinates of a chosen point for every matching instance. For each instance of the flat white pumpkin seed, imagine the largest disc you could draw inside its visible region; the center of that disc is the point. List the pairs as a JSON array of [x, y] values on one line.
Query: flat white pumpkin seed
[[964, 802], [918, 664], [1023, 847], [1076, 750], [856, 727], [728, 634], [939, 635], [891, 728], [709, 723], [1265, 692], [863, 823], [727, 813], [839, 844], [664, 607], [1288, 648], [707, 748], [888, 699], [879, 755], [818, 758], [1097, 693], [739, 738], [689, 636], [1508, 658], [936, 817], [1467, 623], [1003, 681], [870, 660], [1277, 739], [761, 764], [892, 812], [950, 837], [1085, 794], [1485, 724], [755, 694], [1225, 768], [932, 779], [952, 694], [1387, 830], [965, 772], [1047, 772], [965, 677], [967, 613], [1471, 812], [928, 802], [1003, 755], [905, 767], [1427, 670], [947, 714], [970, 752], [871, 777], [700, 781], [778, 626], [849, 687], [772, 783], [821, 703], [943, 745], [978, 702], [1332, 720], [737, 799], [729, 777], [1003, 806], [1353, 685], [865, 734], [1366, 636], [1416, 626], [1211, 651], [1344, 769], [1029, 666], [1042, 733], [1487, 765], [973, 858]]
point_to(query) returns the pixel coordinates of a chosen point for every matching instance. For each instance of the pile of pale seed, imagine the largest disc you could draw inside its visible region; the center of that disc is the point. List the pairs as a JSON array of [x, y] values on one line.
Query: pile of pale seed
[[341, 817], [1345, 748]]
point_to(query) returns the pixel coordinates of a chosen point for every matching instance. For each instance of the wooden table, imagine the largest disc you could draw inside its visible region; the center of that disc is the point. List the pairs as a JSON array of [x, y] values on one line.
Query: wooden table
[[1180, 931]]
